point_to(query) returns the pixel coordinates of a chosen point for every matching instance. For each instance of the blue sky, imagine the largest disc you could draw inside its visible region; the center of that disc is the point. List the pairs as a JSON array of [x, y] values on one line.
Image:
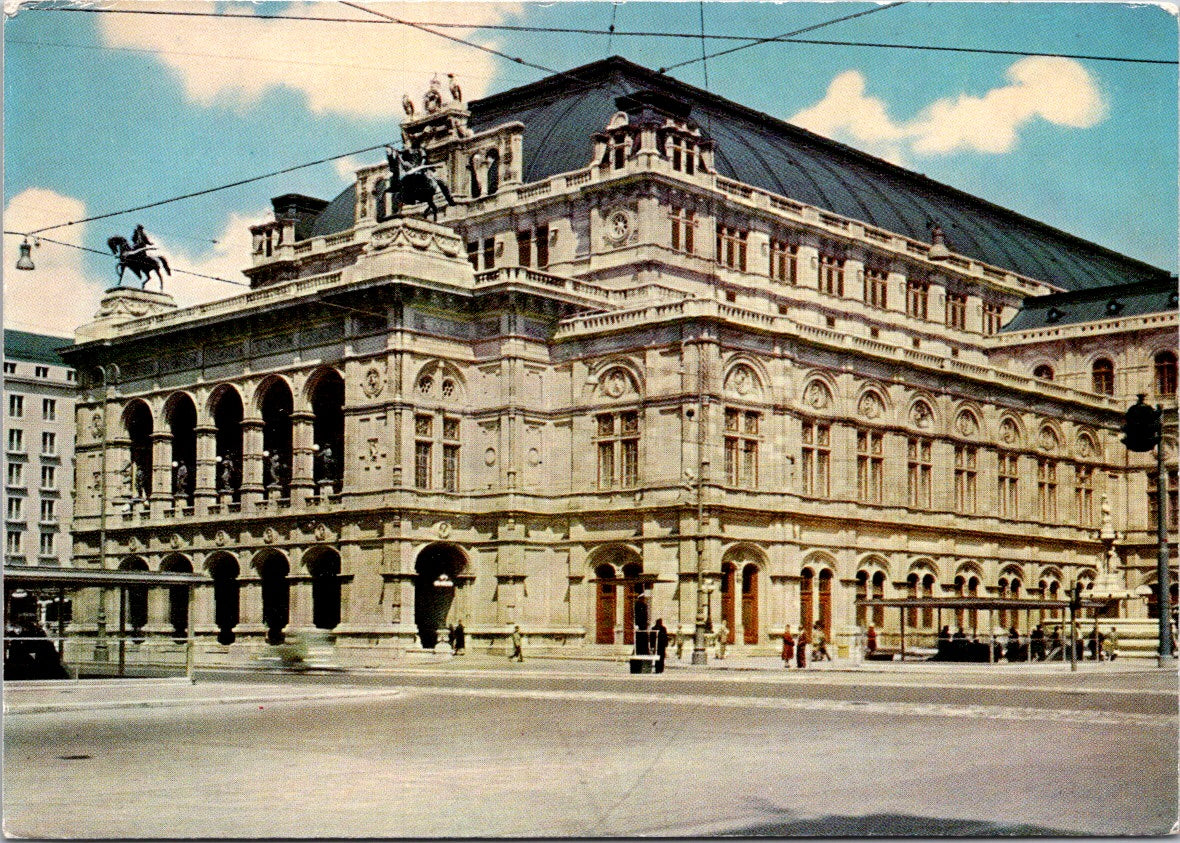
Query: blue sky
[[106, 111]]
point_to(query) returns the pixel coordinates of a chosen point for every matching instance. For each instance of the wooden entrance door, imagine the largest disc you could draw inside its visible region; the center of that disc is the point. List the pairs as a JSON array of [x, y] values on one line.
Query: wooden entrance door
[[750, 604], [605, 607], [727, 601]]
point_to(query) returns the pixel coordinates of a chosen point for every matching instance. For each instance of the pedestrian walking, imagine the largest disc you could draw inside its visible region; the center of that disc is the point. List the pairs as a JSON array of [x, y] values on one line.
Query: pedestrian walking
[[679, 645], [788, 647], [821, 645], [460, 644], [517, 645], [661, 642], [801, 650], [871, 641], [1110, 645], [722, 638], [451, 636]]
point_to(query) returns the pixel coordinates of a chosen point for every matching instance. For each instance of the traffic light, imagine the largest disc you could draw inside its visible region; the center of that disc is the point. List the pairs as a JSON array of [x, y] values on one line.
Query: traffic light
[[1141, 429]]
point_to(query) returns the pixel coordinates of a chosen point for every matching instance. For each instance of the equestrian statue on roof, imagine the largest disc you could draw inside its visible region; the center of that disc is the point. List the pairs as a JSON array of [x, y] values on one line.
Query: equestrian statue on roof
[[140, 256], [411, 180]]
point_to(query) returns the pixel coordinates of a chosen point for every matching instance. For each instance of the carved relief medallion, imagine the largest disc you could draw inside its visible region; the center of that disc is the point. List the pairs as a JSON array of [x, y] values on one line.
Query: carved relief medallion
[[817, 395], [966, 424], [921, 415], [618, 227], [321, 532], [269, 535], [871, 406], [1009, 434], [615, 383], [221, 539], [1047, 439], [372, 386], [176, 541]]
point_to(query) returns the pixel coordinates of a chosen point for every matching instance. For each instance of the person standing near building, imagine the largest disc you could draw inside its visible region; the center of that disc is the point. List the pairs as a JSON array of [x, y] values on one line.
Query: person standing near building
[[517, 644], [1110, 645], [460, 643], [871, 641], [661, 643], [722, 638], [801, 650], [788, 646], [821, 644]]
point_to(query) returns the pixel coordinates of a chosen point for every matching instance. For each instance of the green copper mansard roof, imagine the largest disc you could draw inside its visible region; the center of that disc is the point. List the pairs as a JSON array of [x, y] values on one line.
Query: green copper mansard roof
[[560, 113]]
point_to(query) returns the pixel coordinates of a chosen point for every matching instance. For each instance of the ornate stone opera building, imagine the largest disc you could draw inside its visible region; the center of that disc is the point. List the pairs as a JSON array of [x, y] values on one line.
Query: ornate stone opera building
[[661, 342]]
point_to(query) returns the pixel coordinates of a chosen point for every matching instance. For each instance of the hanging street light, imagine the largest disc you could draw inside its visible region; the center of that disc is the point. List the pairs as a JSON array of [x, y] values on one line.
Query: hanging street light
[[25, 261]]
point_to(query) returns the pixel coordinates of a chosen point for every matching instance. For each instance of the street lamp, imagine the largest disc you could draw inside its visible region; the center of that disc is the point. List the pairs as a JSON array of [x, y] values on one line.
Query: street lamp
[[25, 261]]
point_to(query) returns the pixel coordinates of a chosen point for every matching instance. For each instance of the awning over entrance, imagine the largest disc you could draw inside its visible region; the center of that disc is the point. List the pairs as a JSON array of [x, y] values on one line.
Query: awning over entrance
[[26, 576]]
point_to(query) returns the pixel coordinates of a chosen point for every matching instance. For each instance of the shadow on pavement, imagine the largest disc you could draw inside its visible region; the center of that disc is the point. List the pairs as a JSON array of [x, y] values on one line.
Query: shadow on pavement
[[891, 825]]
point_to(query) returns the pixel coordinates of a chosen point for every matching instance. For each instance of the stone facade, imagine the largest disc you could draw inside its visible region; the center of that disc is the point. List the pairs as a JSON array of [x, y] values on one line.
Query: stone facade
[[634, 376]]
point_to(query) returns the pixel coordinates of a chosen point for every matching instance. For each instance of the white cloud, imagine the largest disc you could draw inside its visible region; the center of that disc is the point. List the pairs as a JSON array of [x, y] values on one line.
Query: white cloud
[[57, 296], [348, 68], [346, 167], [1057, 90]]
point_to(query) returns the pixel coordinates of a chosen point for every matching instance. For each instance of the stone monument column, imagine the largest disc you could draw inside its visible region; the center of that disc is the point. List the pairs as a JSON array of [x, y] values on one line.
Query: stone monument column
[[252, 489], [302, 456], [205, 480]]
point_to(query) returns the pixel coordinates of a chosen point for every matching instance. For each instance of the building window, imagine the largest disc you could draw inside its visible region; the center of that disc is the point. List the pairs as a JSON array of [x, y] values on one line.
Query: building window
[[1153, 499], [423, 448], [731, 247], [992, 318], [49, 511], [1084, 495], [482, 253], [741, 448], [526, 241], [48, 477], [48, 443], [450, 450], [16, 406], [1103, 376], [41, 371], [916, 295], [12, 542], [9, 368], [784, 262], [1047, 489], [16, 509], [817, 455], [876, 288], [920, 470], [16, 440], [831, 275], [870, 465], [618, 450], [684, 224], [1165, 373], [49, 409], [47, 544], [16, 474], [956, 310], [682, 154], [1044, 372], [966, 476], [71, 375], [1008, 474]]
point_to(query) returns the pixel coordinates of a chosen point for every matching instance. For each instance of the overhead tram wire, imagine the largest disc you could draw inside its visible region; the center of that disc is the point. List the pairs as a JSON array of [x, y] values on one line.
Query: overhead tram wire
[[206, 191], [39, 238], [621, 33], [791, 34]]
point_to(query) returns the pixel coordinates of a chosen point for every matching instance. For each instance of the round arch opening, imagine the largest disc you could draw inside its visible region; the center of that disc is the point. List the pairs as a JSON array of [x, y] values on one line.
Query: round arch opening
[[438, 568]]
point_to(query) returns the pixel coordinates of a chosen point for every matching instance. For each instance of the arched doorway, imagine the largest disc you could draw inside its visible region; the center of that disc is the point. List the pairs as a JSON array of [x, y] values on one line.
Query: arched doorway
[[879, 594], [438, 568], [825, 601], [324, 568], [136, 597], [327, 404], [181, 415], [224, 571], [728, 574], [178, 596], [617, 574], [137, 421], [806, 607], [750, 603], [227, 417], [605, 604], [276, 407], [273, 569]]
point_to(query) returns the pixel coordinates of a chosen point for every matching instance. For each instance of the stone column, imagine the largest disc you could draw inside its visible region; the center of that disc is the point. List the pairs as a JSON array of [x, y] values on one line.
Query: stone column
[[205, 481], [252, 489], [161, 494], [118, 479], [302, 456]]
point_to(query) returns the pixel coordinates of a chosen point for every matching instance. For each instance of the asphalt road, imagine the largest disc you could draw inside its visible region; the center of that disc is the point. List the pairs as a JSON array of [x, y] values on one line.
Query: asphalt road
[[551, 753]]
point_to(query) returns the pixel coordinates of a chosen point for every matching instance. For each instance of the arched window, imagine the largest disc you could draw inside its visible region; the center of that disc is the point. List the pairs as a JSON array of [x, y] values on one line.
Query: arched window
[[182, 422], [1044, 372], [227, 418], [1165, 373], [277, 405], [1103, 376], [327, 404], [137, 421]]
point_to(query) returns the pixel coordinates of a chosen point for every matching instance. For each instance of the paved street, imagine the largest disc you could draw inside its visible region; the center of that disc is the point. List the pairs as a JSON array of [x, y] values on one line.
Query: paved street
[[479, 748]]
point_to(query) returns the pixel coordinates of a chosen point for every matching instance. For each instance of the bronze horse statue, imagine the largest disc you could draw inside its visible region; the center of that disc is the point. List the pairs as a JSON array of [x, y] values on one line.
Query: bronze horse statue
[[410, 181], [138, 261]]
